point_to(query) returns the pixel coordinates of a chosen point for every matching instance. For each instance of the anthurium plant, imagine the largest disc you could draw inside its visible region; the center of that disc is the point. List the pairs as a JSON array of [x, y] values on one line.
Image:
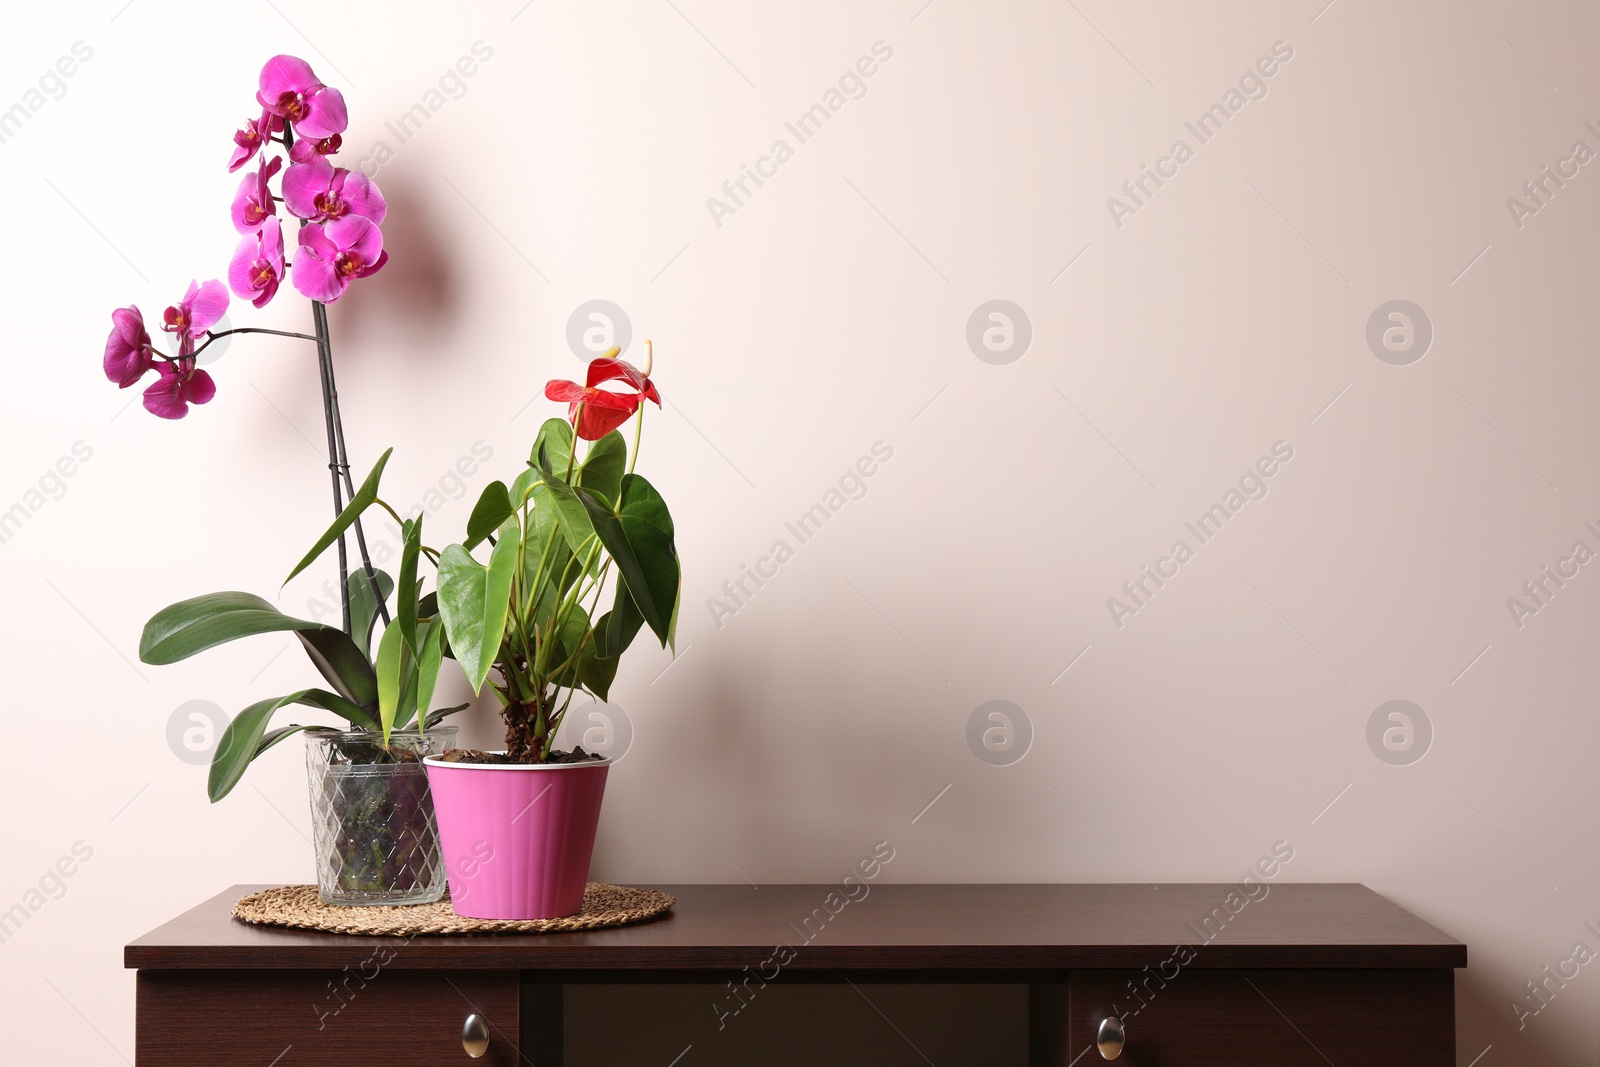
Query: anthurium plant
[[535, 618], [338, 241]]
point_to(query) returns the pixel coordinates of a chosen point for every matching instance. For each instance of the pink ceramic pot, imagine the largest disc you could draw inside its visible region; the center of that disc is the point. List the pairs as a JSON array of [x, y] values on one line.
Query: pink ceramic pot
[[516, 838]]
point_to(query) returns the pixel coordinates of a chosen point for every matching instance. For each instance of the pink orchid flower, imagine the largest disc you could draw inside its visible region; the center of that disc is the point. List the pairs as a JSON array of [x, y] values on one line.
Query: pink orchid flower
[[257, 267], [192, 316], [181, 384], [128, 351], [252, 138], [253, 204], [290, 90], [304, 151], [321, 192], [334, 254]]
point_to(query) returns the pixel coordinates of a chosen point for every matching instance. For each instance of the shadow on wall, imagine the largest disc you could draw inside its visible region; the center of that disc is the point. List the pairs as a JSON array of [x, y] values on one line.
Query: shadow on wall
[[417, 297], [1484, 1014]]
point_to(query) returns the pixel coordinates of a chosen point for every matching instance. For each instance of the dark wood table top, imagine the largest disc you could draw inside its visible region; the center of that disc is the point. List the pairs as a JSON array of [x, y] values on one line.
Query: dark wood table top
[[980, 930]]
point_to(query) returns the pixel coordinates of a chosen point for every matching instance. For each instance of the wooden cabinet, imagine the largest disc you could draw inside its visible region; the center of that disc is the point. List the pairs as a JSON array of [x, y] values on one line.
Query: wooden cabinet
[[1312, 975], [361, 1017], [1281, 1018]]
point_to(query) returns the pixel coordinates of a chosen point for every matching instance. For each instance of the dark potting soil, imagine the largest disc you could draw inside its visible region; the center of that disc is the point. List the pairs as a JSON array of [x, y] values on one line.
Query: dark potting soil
[[474, 755]]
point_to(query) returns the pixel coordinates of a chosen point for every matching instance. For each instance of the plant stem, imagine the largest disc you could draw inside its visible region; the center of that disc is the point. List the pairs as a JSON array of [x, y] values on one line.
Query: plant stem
[[319, 314], [324, 365], [638, 431], [338, 463], [210, 337], [572, 453]]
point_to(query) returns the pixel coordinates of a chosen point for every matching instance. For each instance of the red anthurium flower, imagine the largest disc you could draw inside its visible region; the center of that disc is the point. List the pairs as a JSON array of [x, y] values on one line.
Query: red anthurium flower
[[290, 90], [304, 151], [248, 141], [128, 352], [181, 384], [596, 412]]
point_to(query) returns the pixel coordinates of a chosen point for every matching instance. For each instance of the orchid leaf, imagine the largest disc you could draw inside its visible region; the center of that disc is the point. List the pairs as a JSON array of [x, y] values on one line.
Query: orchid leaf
[[180, 630], [364, 605], [352, 511], [345, 666], [436, 717], [245, 738]]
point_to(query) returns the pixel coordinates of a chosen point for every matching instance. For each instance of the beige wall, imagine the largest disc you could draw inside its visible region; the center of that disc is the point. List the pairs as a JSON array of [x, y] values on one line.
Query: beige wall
[[1171, 347]]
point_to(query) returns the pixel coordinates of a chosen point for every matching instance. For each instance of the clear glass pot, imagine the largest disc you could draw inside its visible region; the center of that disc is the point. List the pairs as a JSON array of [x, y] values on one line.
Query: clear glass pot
[[372, 816]]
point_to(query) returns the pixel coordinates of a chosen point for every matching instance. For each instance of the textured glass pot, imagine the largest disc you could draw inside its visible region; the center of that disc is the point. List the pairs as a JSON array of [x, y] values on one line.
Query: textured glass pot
[[372, 816]]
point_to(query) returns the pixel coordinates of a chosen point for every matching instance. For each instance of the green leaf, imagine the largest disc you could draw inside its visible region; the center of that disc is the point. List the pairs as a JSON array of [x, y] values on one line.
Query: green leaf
[[555, 438], [345, 666], [493, 508], [570, 513], [360, 718], [595, 670], [565, 645], [473, 600], [245, 739], [390, 665], [603, 468], [179, 630], [436, 717], [364, 606], [620, 625], [272, 737], [643, 550], [406, 605], [524, 485], [428, 661], [672, 627], [358, 503], [640, 499]]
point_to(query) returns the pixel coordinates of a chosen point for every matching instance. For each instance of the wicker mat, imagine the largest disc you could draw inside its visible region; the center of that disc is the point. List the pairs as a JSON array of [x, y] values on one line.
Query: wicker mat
[[300, 906]]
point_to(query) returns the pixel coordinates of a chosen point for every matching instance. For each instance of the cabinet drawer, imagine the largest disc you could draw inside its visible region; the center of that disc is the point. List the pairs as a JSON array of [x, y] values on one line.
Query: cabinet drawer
[[1285, 1018], [356, 1017]]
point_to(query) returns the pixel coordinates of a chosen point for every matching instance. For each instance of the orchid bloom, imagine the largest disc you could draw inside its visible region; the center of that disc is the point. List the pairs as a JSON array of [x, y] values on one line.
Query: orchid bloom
[[321, 192], [192, 316], [595, 412], [257, 267], [334, 254], [304, 151], [128, 351], [253, 204], [252, 138], [181, 384], [290, 90]]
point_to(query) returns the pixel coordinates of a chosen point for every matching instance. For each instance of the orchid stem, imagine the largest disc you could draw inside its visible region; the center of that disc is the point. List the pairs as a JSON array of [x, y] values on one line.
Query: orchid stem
[[319, 314], [338, 463], [324, 367]]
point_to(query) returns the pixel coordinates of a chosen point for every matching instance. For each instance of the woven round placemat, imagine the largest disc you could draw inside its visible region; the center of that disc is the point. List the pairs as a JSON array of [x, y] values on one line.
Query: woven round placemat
[[300, 907]]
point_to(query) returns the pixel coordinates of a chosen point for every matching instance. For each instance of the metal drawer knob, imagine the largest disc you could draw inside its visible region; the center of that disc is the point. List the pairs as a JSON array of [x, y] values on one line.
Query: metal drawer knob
[[1110, 1038], [475, 1035]]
